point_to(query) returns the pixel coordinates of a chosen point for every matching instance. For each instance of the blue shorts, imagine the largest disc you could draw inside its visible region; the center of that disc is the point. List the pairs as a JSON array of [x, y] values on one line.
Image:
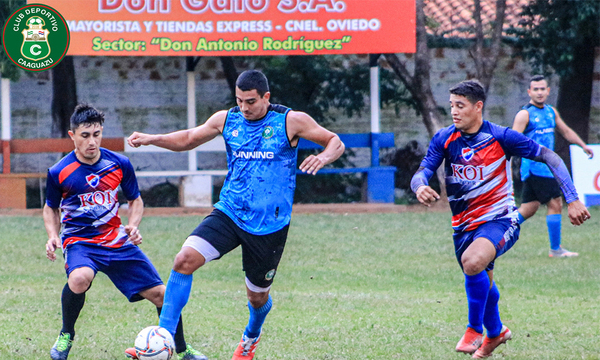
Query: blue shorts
[[127, 267], [503, 233]]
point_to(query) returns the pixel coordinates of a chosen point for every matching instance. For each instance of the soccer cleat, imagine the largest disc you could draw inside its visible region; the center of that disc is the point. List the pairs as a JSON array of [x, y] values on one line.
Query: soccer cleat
[[191, 354], [489, 345], [470, 341], [246, 348], [561, 253], [61, 348], [130, 353]]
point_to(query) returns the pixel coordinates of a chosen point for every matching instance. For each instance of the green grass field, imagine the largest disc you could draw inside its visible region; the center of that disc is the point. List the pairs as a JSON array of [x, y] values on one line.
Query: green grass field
[[357, 286]]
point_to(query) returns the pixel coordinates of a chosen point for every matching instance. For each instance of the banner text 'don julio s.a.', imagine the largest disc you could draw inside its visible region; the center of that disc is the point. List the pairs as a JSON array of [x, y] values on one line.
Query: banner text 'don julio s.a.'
[[237, 27]]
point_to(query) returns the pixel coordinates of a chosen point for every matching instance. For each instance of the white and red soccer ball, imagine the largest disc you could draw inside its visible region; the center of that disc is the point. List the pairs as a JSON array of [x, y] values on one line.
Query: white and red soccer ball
[[154, 343]]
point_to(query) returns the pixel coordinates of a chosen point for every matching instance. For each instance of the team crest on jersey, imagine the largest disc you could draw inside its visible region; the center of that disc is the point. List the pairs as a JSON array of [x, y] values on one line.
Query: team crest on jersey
[[467, 153], [93, 180], [235, 133], [268, 132]]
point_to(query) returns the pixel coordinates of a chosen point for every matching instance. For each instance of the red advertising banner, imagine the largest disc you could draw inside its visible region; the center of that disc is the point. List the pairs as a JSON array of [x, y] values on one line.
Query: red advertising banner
[[237, 27]]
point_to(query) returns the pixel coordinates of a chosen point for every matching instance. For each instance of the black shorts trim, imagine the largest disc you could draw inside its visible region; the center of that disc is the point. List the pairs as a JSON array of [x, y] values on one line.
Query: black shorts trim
[[260, 253]]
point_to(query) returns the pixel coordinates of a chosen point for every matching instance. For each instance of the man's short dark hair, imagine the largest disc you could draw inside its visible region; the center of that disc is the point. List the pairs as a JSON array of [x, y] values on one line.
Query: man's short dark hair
[[85, 114], [253, 80], [537, 78], [471, 89]]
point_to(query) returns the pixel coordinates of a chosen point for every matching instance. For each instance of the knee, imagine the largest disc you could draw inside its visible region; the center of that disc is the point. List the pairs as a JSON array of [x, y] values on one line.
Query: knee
[[472, 266], [257, 300], [187, 261], [79, 283]]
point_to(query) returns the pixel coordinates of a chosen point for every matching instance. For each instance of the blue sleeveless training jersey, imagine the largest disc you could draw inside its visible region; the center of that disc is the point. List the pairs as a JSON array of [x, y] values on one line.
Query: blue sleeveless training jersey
[[87, 196], [259, 188], [540, 129]]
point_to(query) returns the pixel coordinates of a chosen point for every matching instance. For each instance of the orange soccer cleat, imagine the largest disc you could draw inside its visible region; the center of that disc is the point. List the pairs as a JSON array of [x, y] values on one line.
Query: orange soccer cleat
[[489, 345], [470, 341]]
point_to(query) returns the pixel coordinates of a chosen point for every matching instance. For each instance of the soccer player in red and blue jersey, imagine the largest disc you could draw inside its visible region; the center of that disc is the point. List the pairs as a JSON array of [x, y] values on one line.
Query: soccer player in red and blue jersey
[[484, 216], [83, 187]]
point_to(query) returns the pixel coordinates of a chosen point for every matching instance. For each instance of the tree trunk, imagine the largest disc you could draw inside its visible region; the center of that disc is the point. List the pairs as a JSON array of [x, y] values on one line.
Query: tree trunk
[[574, 97], [64, 96], [230, 71]]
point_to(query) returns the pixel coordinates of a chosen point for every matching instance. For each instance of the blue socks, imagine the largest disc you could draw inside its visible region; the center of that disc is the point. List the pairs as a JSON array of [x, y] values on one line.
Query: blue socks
[[554, 227], [257, 318], [477, 287], [491, 317], [177, 294]]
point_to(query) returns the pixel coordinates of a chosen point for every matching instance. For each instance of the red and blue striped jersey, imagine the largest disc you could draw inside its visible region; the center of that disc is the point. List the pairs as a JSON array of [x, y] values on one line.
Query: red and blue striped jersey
[[87, 197], [478, 172]]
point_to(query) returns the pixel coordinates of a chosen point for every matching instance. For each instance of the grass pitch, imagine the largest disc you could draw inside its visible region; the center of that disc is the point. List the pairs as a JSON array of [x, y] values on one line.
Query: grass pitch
[[356, 286]]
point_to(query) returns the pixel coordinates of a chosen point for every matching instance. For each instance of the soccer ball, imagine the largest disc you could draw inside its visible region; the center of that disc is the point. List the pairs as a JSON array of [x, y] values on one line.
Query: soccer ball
[[154, 343]]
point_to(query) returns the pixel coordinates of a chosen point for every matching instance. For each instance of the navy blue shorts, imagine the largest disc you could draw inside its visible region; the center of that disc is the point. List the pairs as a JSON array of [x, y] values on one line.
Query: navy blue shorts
[[538, 188], [503, 233], [260, 253], [127, 267]]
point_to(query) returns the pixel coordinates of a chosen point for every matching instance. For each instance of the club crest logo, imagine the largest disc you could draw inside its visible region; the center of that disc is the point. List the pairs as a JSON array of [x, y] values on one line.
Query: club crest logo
[[467, 153], [268, 132], [235, 133], [270, 275], [36, 37], [93, 180]]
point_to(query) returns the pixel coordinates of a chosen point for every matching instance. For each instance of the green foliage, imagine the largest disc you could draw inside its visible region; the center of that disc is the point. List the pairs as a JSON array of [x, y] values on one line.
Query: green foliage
[[7, 68], [349, 287], [551, 31]]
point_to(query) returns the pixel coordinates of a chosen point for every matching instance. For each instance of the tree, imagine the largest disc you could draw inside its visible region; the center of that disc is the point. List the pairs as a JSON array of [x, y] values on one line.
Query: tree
[[561, 36], [8, 70]]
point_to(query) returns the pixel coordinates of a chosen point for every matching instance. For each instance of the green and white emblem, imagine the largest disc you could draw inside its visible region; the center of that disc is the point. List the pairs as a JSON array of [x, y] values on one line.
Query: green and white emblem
[[270, 275], [268, 132], [35, 39]]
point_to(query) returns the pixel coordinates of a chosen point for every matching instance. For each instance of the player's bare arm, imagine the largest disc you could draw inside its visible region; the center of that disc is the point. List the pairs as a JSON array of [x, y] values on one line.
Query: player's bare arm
[[52, 224], [183, 140], [571, 136], [521, 121], [301, 125], [136, 210]]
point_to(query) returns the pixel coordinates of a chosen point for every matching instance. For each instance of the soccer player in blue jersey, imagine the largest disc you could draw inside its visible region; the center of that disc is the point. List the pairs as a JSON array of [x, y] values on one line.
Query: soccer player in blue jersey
[[538, 120], [83, 187], [255, 204], [484, 216]]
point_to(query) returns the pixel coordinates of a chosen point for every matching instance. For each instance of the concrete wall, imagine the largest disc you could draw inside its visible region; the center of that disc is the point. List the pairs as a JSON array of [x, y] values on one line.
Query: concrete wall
[[149, 94]]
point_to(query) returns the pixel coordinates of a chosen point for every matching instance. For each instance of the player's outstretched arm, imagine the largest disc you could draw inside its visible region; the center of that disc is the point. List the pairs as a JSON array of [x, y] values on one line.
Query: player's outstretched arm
[[182, 140], [571, 136], [52, 224], [136, 210], [301, 125]]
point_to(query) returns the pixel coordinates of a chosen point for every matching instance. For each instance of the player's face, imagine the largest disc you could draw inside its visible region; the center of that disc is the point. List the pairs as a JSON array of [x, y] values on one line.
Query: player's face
[[538, 92], [465, 115], [253, 106], [87, 139]]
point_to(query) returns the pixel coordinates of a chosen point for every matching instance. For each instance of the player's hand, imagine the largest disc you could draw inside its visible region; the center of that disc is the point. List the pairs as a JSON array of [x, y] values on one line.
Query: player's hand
[[426, 195], [51, 245], [578, 213], [138, 139], [312, 164], [588, 150], [134, 234]]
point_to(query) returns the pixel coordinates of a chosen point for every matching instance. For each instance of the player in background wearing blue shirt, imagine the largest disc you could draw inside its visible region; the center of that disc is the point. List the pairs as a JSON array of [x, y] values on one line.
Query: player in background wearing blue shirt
[[255, 204], [83, 186], [538, 120], [484, 216]]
